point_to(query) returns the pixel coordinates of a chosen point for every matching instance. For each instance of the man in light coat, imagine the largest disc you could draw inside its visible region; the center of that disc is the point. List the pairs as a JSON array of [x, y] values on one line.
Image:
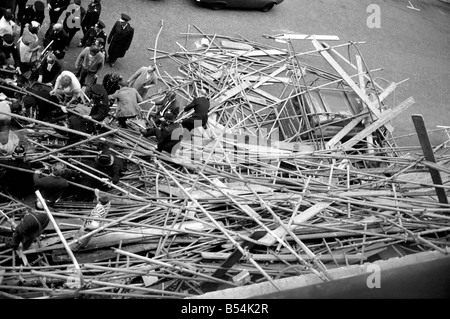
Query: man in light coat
[[143, 79], [127, 103], [91, 62]]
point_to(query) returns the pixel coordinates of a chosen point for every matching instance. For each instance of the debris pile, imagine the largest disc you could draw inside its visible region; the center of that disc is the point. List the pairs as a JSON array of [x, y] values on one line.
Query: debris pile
[[297, 172]]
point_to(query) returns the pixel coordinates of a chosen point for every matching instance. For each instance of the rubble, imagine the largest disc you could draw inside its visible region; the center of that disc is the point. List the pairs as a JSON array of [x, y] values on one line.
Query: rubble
[[298, 172]]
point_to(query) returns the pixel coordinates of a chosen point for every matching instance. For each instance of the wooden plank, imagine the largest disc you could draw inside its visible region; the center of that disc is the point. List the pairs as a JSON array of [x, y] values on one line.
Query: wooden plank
[[232, 92], [236, 45], [350, 82], [231, 260], [285, 257], [345, 130], [307, 37], [385, 117], [269, 240], [267, 95], [271, 75], [428, 152]]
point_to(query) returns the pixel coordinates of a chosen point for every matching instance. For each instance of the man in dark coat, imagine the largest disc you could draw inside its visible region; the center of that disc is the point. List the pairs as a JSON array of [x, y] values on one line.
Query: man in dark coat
[[200, 105], [167, 135], [30, 227], [92, 16], [59, 38], [33, 12], [8, 50], [56, 8], [52, 186], [92, 34], [119, 39], [49, 69]]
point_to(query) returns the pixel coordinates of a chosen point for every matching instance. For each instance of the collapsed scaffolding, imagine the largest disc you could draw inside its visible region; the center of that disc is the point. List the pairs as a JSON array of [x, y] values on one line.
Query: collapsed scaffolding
[[298, 172]]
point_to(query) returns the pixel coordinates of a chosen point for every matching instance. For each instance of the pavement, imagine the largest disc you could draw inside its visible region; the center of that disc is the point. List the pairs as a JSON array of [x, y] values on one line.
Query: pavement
[[410, 45]]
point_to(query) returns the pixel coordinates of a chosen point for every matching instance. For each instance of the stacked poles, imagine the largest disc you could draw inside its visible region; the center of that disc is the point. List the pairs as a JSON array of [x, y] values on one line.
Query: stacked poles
[[262, 190]]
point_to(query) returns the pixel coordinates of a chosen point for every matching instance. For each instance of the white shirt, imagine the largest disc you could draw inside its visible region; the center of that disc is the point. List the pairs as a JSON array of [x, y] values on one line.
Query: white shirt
[[6, 27], [74, 87]]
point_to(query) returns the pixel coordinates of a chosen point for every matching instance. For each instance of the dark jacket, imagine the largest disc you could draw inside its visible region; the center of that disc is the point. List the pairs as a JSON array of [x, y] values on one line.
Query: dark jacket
[[165, 140], [51, 187], [59, 40], [31, 226], [200, 106], [7, 52], [91, 35], [29, 14], [98, 113], [91, 16], [119, 39], [49, 76], [115, 170]]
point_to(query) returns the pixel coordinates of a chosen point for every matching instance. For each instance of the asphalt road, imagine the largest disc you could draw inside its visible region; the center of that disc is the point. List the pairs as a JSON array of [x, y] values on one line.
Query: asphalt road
[[410, 45]]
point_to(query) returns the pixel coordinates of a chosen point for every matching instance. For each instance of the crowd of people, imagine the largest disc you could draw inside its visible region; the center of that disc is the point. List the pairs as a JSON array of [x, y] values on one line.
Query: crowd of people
[[55, 93]]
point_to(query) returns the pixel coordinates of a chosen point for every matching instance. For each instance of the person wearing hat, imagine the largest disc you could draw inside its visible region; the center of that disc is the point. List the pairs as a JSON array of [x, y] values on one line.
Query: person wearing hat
[[108, 163], [30, 227], [95, 32], [127, 100], [59, 37], [168, 134], [32, 12], [91, 62], [51, 186], [48, 71], [200, 105], [100, 210], [56, 8], [92, 16], [143, 79], [119, 39], [8, 52]]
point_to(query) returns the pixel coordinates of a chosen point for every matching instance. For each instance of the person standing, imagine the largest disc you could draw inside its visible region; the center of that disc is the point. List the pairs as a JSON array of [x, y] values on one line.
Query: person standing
[[127, 103], [94, 33], [59, 38], [8, 52], [56, 8], [32, 12], [7, 25], [143, 79], [92, 16], [72, 20], [119, 39], [91, 62]]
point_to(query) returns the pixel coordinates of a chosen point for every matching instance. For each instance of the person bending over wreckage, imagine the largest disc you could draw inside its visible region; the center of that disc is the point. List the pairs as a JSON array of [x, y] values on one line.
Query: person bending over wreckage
[[30, 227]]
